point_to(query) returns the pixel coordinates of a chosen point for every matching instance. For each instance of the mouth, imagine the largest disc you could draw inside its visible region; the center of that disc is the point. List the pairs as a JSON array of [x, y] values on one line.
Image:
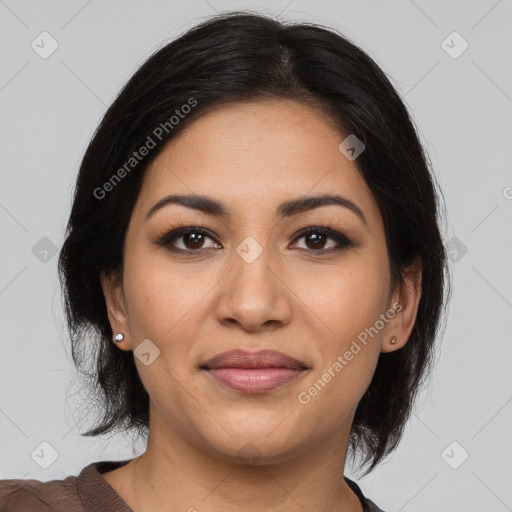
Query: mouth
[[253, 372]]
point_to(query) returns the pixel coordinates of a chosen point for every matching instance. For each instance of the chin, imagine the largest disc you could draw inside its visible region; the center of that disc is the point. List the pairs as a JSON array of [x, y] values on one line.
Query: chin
[[253, 441]]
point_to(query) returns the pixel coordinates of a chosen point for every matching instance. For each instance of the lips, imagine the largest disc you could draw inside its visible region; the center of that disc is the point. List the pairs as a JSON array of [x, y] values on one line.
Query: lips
[[260, 359], [254, 372]]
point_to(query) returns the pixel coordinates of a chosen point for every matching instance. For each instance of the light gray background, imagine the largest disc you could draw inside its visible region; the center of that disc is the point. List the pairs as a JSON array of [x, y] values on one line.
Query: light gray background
[[462, 107]]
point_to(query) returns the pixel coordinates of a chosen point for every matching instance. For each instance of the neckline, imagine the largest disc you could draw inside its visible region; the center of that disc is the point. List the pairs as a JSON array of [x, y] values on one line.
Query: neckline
[[90, 481], [358, 492], [95, 492]]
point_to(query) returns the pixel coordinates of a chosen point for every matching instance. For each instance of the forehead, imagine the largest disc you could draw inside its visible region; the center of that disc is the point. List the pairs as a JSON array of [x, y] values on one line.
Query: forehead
[[253, 155]]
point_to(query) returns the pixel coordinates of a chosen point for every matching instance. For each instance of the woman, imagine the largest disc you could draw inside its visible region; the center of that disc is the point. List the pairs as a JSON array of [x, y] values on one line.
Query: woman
[[254, 252]]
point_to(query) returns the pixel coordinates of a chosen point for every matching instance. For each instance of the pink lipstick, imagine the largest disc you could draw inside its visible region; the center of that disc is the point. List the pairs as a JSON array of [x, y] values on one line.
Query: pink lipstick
[[254, 372]]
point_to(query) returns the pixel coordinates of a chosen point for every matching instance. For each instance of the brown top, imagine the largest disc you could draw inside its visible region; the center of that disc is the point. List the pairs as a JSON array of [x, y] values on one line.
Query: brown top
[[87, 492]]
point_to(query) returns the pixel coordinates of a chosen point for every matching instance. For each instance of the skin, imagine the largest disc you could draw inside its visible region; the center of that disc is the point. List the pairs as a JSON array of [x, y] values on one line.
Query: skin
[[194, 305]]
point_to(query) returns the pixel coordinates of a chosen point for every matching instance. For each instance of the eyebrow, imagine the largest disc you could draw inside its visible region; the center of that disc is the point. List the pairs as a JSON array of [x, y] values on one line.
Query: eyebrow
[[295, 206]]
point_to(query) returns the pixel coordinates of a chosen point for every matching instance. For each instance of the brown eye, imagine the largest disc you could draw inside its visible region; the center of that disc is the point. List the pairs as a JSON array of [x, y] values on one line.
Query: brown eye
[[317, 238], [192, 239]]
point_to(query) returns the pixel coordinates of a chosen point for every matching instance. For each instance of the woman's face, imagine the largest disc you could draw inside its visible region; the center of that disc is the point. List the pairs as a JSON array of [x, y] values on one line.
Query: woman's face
[[247, 279]]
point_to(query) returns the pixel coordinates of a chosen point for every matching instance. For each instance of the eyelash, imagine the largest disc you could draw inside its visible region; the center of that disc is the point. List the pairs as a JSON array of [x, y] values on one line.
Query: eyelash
[[342, 240]]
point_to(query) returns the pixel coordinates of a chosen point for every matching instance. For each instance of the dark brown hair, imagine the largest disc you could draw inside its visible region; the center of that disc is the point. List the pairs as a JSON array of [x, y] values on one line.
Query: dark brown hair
[[242, 56]]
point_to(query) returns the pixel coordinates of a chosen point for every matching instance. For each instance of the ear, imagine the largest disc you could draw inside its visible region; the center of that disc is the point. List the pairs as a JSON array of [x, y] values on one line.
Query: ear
[[405, 299], [112, 287]]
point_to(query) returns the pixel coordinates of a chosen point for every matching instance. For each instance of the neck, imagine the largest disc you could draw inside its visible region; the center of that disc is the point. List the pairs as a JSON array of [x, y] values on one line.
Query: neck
[[177, 472]]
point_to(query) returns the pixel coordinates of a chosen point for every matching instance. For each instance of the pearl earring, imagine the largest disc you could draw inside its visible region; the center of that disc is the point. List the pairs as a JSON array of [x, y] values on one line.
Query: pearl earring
[[393, 340], [118, 337]]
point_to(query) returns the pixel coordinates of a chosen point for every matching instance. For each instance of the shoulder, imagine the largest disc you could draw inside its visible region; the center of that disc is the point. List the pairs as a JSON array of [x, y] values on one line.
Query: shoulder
[[17, 495], [86, 492]]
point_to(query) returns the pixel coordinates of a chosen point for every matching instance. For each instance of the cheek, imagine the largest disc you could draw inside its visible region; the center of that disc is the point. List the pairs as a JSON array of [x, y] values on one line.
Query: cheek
[[160, 296], [350, 305], [347, 357], [330, 397], [346, 298], [161, 308]]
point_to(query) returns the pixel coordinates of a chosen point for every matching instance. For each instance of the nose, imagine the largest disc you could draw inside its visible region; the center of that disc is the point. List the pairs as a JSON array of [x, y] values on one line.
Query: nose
[[253, 296]]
